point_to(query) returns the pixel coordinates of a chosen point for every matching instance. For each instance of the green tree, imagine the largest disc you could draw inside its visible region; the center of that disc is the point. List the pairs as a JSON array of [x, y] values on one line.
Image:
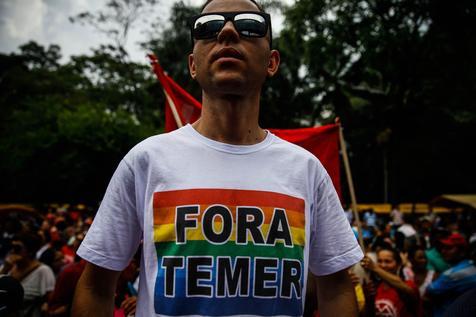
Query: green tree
[[117, 19], [383, 67], [64, 128], [172, 45], [399, 73]]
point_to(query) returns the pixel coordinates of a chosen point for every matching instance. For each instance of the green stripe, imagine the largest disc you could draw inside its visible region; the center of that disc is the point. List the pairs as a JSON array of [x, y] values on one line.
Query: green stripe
[[200, 247]]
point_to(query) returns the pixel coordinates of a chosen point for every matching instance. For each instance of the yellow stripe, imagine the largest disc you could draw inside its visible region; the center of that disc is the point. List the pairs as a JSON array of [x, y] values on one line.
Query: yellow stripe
[[166, 232]]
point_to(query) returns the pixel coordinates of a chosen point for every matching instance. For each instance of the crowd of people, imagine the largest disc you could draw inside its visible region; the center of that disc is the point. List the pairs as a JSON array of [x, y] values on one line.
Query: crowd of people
[[415, 265], [40, 268]]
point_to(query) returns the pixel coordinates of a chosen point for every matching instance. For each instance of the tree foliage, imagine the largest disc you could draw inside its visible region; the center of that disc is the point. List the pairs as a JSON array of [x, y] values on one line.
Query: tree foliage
[[64, 128], [172, 45], [117, 19], [400, 74]]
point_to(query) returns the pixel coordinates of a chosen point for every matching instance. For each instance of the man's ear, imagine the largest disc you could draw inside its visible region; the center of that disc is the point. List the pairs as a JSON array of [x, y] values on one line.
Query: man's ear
[[273, 65], [191, 66]]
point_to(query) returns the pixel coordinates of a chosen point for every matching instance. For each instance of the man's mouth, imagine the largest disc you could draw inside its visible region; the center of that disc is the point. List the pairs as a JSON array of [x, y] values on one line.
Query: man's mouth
[[227, 52]]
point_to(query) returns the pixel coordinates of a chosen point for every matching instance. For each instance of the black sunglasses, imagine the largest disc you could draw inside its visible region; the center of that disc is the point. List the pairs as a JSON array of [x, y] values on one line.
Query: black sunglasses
[[247, 24]]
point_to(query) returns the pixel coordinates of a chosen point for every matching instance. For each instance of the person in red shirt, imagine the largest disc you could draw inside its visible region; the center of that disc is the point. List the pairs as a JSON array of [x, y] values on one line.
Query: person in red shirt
[[60, 301], [390, 295], [59, 304]]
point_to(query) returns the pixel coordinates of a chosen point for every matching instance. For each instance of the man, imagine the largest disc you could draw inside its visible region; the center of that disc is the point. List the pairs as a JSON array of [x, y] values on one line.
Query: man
[[455, 281], [231, 217]]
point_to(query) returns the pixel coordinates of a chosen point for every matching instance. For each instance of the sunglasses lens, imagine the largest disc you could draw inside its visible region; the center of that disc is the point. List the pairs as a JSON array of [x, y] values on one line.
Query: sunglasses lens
[[208, 26], [247, 24], [251, 25]]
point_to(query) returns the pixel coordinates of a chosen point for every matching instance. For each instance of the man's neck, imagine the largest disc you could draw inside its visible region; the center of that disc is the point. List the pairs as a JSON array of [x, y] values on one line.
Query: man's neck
[[230, 119]]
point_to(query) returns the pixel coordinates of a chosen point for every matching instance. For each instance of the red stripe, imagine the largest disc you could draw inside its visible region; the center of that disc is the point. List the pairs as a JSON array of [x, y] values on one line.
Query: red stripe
[[229, 197]]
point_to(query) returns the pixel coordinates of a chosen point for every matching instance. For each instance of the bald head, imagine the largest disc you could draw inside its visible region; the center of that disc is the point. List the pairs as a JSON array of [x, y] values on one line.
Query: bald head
[[260, 8]]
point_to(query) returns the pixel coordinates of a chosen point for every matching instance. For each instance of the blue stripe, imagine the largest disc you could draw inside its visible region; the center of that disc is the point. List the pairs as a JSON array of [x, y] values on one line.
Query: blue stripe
[[227, 306], [181, 305]]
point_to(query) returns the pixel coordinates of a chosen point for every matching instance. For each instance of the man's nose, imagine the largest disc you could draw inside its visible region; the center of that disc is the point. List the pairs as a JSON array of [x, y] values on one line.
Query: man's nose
[[228, 33]]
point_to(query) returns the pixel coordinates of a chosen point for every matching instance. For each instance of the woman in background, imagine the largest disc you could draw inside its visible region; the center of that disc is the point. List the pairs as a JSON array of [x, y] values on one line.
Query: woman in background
[[37, 279], [418, 272], [389, 293]]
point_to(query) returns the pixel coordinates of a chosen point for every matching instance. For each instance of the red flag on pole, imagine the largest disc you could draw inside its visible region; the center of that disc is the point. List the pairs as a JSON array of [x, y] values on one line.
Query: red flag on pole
[[323, 142], [181, 108]]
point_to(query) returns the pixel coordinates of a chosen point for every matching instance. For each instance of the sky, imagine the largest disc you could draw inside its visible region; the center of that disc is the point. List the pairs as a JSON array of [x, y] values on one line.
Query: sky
[[47, 22]]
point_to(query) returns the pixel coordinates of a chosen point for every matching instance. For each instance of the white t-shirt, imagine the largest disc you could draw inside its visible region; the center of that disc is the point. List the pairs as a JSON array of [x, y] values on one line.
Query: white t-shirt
[[35, 286], [227, 230]]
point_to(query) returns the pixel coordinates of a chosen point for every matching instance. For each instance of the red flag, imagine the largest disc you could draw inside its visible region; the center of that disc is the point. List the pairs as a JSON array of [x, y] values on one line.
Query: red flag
[[323, 142], [180, 107]]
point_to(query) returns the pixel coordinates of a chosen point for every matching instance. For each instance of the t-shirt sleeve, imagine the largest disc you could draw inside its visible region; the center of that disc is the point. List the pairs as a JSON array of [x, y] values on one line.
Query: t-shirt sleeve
[[115, 232], [333, 246], [47, 280]]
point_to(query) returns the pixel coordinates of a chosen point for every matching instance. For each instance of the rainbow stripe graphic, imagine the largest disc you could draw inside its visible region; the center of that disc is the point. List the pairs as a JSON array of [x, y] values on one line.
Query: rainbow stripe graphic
[[224, 252]]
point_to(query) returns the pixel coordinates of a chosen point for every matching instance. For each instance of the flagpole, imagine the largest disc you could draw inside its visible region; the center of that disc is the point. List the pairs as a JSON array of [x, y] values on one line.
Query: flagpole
[[159, 72], [174, 110], [348, 173]]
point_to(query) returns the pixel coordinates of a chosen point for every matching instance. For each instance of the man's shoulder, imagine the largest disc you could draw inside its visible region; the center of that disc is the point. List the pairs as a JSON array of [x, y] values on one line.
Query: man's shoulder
[[158, 140], [155, 143], [43, 268], [294, 149], [74, 268], [41, 272], [463, 269]]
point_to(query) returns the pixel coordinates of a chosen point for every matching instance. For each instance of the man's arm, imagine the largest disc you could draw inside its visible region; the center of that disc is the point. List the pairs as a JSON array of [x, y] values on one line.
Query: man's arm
[[336, 295], [94, 294]]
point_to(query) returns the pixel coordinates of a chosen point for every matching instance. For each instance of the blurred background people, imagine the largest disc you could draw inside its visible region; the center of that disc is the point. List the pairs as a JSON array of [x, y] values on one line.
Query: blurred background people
[[459, 278], [11, 296], [36, 278], [60, 301], [417, 271], [387, 294]]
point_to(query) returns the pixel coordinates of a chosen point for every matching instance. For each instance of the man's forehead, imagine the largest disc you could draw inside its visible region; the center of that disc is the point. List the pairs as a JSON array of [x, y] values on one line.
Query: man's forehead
[[230, 5]]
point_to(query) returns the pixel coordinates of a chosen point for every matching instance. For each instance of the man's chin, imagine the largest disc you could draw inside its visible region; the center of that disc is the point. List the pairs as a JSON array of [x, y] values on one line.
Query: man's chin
[[231, 85]]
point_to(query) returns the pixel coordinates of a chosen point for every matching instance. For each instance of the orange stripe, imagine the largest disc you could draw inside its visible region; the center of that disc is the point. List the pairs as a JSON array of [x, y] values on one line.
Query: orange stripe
[[166, 215], [231, 197]]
